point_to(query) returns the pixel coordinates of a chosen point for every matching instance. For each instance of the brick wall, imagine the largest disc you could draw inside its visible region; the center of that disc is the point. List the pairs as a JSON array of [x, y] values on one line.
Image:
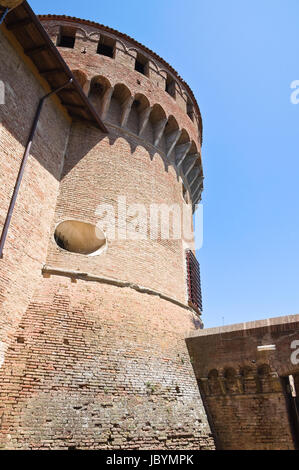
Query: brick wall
[[89, 364], [96, 366], [242, 386], [153, 82], [98, 172], [115, 73], [25, 249]]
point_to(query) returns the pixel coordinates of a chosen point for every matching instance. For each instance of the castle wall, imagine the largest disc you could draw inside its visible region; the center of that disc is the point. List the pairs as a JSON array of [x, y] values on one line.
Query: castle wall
[[91, 364], [100, 169], [243, 387], [84, 56], [26, 244], [151, 145], [159, 115], [94, 366], [118, 73]]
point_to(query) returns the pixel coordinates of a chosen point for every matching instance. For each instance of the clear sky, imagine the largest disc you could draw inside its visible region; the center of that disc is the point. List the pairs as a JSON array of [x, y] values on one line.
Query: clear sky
[[239, 57]]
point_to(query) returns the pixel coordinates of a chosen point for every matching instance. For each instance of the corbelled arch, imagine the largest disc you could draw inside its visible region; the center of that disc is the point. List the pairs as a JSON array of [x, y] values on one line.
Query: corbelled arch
[[120, 105], [82, 78], [100, 92], [139, 116]]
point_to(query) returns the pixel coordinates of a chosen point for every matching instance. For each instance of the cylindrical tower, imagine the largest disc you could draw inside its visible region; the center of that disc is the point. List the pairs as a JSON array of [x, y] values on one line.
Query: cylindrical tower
[[104, 348], [151, 155]]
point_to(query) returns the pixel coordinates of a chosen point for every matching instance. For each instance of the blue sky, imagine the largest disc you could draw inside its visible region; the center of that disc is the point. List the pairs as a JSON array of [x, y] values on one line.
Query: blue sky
[[239, 59]]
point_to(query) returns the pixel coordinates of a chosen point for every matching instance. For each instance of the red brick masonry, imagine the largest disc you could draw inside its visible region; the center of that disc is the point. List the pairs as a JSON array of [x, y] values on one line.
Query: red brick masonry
[[83, 363], [244, 388]]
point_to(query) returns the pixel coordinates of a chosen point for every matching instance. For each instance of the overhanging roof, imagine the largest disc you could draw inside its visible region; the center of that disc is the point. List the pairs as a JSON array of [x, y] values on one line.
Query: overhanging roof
[[37, 45]]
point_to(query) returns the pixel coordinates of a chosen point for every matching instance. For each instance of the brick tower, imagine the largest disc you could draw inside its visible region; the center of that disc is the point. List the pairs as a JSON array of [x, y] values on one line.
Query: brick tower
[[96, 356]]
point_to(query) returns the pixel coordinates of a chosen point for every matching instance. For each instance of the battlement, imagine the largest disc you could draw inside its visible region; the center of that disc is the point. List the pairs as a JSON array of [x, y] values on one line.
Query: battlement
[[94, 38], [136, 91]]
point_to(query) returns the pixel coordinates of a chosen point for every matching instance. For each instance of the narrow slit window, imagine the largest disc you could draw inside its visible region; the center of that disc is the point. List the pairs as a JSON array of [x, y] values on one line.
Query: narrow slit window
[[67, 37], [190, 110], [106, 47], [193, 281]]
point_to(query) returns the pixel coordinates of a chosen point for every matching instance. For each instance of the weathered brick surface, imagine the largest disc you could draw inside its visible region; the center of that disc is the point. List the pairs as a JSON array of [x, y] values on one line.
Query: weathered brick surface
[[242, 387], [25, 249], [96, 366], [88, 364], [99, 169], [251, 422], [121, 68]]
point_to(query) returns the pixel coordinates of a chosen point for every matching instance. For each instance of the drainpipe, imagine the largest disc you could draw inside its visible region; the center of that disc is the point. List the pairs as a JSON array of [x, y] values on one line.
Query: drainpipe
[[2, 18], [8, 5], [23, 164]]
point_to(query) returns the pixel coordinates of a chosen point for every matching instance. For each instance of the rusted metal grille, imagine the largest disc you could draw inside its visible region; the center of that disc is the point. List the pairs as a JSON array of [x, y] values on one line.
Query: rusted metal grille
[[193, 280]]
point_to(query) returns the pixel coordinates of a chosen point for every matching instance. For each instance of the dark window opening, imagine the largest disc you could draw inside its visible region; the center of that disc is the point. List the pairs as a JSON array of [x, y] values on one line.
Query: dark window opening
[[140, 64], [106, 47], [190, 110], [193, 281], [67, 38], [139, 67], [170, 86]]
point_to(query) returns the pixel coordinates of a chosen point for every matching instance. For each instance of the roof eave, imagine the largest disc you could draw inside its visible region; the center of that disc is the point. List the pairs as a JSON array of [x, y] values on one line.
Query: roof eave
[[50, 48]]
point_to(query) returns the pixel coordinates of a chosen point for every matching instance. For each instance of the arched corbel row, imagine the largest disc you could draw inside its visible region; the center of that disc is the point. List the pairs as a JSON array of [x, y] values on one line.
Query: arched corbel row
[[170, 81], [249, 379], [117, 105]]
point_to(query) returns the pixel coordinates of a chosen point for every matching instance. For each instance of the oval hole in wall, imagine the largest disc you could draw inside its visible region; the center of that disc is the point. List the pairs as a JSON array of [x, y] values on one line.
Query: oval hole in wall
[[80, 237]]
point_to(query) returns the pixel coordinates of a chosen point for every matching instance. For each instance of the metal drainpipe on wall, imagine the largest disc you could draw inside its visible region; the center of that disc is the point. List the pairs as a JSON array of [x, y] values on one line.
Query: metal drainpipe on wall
[[3, 15], [8, 6], [23, 164]]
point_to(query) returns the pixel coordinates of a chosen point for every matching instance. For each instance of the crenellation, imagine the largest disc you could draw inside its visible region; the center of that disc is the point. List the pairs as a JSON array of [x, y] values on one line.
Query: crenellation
[[87, 39]]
